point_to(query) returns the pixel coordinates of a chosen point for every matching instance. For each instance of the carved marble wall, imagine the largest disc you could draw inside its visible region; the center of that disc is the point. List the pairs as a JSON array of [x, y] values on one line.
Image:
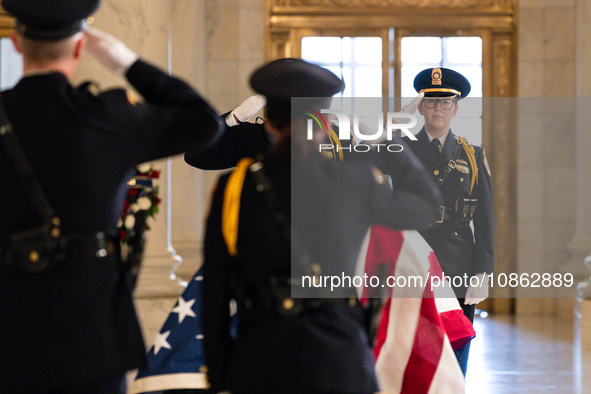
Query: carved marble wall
[[546, 209], [233, 46]]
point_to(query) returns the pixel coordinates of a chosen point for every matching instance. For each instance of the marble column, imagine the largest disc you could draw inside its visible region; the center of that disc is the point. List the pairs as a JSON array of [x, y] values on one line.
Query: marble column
[[157, 277], [189, 192], [190, 205], [580, 245]]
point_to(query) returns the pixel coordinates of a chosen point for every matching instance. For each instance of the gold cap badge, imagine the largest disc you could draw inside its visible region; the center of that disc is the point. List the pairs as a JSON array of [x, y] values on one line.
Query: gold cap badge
[[436, 76]]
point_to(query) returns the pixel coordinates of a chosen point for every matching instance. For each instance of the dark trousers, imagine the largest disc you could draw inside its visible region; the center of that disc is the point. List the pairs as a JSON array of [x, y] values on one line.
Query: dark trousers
[[463, 352]]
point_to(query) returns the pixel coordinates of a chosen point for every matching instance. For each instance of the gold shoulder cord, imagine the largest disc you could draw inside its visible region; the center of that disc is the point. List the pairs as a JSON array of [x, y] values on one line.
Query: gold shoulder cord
[[231, 205], [334, 139], [469, 149]]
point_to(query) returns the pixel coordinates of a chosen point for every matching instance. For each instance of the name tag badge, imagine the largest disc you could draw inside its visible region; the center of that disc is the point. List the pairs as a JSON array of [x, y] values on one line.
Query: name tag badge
[[462, 166]]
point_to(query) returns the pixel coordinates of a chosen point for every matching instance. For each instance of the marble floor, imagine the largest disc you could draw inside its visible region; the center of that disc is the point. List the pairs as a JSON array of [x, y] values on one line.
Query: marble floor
[[526, 354]]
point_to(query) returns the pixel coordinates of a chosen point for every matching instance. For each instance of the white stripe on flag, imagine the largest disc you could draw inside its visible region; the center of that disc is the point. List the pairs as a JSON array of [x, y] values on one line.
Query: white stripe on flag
[[403, 322], [397, 348], [448, 377], [169, 382], [449, 303]]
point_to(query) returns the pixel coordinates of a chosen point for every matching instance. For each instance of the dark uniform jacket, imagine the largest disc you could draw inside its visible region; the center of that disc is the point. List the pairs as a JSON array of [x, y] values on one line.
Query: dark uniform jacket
[[321, 350], [243, 140], [78, 324], [460, 251]]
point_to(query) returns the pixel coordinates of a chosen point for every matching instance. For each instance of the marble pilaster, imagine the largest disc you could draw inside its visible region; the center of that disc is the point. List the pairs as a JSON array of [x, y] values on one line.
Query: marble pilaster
[[157, 277], [580, 244], [189, 195]]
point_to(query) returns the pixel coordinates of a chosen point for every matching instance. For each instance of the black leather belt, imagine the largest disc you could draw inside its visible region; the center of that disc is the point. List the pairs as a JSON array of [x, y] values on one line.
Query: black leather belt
[[277, 298], [100, 244], [445, 214]]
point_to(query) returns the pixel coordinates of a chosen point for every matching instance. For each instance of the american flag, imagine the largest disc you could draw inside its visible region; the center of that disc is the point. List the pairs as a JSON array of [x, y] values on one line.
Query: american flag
[[417, 334], [413, 349], [175, 361]]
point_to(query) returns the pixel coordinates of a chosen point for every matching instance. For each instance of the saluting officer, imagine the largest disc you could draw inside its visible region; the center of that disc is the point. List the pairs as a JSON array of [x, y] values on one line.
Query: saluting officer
[[461, 172], [286, 345], [71, 326]]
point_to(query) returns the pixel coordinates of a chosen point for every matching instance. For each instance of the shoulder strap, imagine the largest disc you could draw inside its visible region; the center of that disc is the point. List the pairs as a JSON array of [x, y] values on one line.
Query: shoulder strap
[[231, 204], [23, 169], [231, 211], [263, 186], [450, 165]]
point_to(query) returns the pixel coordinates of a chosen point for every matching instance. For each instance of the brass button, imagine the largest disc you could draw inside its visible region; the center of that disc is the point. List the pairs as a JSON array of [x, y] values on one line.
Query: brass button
[[55, 232], [288, 304], [436, 172], [34, 256], [316, 268], [352, 302], [455, 233], [461, 179]]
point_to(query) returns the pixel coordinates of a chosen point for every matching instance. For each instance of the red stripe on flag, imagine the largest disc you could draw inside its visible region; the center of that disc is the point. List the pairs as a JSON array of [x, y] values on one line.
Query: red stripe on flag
[[457, 327], [426, 350], [382, 329], [434, 266]]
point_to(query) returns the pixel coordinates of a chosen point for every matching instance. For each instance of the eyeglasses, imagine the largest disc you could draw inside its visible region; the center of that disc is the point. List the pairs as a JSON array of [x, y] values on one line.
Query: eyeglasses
[[444, 103]]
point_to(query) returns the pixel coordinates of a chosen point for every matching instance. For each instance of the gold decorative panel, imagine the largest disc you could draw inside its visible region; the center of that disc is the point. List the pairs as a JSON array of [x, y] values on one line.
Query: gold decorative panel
[[327, 6], [502, 66]]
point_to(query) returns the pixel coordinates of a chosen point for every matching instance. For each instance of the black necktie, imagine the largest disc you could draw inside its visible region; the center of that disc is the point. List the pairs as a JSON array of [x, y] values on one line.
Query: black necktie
[[435, 143]]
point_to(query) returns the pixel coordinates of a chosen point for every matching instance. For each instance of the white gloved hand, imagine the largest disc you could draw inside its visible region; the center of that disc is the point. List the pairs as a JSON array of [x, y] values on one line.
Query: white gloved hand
[[411, 107], [478, 292], [246, 110], [111, 52]]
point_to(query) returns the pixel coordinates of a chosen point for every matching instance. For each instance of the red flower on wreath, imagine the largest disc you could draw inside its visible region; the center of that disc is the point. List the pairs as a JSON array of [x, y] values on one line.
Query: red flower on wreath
[[141, 202]]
